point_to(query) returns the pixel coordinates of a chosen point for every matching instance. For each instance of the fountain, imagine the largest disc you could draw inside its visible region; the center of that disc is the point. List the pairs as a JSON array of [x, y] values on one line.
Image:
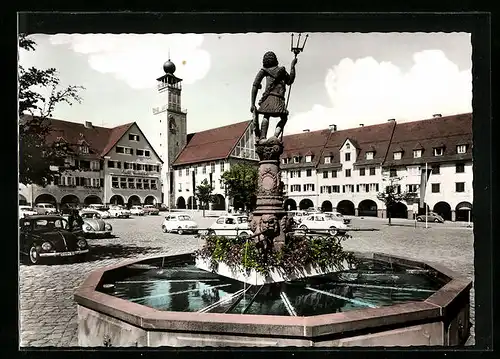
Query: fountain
[[277, 287]]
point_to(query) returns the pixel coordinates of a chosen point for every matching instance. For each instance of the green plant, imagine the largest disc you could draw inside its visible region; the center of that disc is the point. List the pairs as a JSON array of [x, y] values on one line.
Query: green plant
[[299, 252]]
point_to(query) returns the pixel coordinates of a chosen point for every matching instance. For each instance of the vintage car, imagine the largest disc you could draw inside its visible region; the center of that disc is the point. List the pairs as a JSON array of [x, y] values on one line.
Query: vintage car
[[151, 210], [119, 211], [230, 226], [137, 211], [431, 217], [297, 215], [180, 223], [45, 208], [94, 225], [48, 236], [322, 223], [100, 208], [25, 211], [338, 216]]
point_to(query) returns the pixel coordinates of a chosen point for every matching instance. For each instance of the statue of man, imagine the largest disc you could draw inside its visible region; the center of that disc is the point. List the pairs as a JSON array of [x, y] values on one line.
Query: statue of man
[[272, 103]]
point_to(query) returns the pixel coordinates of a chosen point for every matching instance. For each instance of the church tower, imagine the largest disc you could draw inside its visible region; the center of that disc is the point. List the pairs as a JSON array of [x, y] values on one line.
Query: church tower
[[171, 122]]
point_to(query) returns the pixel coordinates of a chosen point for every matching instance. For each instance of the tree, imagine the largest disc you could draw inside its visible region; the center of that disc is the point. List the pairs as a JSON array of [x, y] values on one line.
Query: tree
[[40, 159], [392, 194], [241, 184], [204, 194]]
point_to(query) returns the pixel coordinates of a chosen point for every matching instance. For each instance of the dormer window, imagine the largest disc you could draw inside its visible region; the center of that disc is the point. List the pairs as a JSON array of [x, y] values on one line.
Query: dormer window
[[438, 151], [461, 148], [417, 153], [284, 161], [347, 146], [133, 137], [308, 158], [84, 149], [328, 159], [369, 155], [296, 159], [398, 155]]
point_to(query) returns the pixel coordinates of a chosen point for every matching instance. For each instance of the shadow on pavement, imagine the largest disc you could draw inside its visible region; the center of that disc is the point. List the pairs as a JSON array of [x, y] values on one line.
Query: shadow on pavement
[[109, 251]]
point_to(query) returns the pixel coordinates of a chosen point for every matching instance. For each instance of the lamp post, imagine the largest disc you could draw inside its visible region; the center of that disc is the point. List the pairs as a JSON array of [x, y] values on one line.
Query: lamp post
[[297, 49]]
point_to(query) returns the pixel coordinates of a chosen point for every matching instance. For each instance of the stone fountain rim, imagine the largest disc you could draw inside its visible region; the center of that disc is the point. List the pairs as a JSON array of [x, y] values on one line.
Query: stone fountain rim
[[437, 307]]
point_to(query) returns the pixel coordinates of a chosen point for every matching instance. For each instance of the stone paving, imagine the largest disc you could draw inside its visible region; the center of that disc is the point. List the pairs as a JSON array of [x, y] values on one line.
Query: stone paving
[[48, 314]]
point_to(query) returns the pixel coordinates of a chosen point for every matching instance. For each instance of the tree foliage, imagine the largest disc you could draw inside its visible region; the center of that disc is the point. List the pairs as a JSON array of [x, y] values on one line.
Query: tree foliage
[[204, 194], [36, 154], [241, 182], [392, 194]]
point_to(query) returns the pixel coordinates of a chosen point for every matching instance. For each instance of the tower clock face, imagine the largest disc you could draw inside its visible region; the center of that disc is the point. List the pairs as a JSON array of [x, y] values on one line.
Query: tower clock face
[[171, 125]]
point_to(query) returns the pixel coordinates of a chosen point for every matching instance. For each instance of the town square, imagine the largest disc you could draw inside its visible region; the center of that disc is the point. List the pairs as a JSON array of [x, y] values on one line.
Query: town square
[[186, 198]]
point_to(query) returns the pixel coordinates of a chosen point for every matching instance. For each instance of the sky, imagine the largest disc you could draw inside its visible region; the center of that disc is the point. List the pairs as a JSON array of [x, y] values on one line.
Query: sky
[[342, 78]]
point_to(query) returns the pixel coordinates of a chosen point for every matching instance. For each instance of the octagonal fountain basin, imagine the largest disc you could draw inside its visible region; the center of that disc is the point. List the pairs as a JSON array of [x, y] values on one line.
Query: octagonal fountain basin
[[168, 301]]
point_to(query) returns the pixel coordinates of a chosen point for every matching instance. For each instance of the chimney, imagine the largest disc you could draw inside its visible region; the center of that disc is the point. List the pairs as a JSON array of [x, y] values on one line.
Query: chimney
[[306, 130], [436, 115], [88, 124], [361, 125], [333, 128], [391, 120]]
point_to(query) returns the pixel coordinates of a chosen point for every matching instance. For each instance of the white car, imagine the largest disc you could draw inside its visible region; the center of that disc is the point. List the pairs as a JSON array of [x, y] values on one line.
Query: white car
[[180, 223], [338, 216], [230, 226], [137, 211], [119, 212], [45, 208], [99, 208], [25, 211], [298, 216], [321, 223], [94, 225]]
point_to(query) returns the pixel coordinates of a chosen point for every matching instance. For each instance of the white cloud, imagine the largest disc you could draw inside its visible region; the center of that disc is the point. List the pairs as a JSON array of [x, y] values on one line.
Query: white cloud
[[138, 59], [369, 92]]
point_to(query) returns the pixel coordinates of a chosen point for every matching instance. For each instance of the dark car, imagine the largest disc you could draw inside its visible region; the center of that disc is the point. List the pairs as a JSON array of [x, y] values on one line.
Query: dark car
[[431, 217], [49, 236]]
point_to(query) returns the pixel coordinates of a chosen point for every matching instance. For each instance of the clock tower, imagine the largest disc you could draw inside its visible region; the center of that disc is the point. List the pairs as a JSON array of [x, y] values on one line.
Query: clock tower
[[171, 122]]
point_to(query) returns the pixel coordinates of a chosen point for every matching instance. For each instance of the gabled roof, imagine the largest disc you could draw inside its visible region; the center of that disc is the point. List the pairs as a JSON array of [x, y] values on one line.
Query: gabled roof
[[115, 135], [446, 132], [418, 146], [211, 145]]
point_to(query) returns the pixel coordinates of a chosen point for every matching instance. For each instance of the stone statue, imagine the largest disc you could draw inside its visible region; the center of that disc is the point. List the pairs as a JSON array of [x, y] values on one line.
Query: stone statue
[[272, 103]]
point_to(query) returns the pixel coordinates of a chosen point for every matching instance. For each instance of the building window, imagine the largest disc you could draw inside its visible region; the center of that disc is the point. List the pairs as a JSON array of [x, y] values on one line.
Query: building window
[[369, 155], [124, 150], [131, 183], [123, 183], [153, 184], [84, 149], [309, 187], [133, 137], [308, 173], [412, 188], [397, 155], [139, 152], [204, 170], [336, 189], [294, 174], [146, 183], [328, 159], [285, 161], [212, 167], [296, 159], [347, 146], [460, 168], [295, 188], [180, 187], [308, 158], [438, 151], [348, 173], [334, 173], [180, 173], [435, 188], [186, 171], [325, 174], [461, 148], [114, 182], [417, 153], [362, 171], [348, 188], [95, 165], [348, 156], [111, 164], [435, 169], [372, 171], [393, 172], [460, 187], [222, 167]]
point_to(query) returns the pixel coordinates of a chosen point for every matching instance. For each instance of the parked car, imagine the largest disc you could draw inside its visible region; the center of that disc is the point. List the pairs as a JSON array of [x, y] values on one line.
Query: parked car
[[297, 215], [119, 212], [338, 216], [137, 211], [100, 208], [151, 209], [45, 208], [431, 217], [180, 223], [94, 225], [25, 211], [230, 226], [48, 236], [322, 222]]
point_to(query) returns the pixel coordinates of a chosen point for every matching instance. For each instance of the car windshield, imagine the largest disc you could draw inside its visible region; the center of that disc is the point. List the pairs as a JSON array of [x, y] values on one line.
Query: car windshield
[[91, 215], [242, 219], [183, 218], [57, 223]]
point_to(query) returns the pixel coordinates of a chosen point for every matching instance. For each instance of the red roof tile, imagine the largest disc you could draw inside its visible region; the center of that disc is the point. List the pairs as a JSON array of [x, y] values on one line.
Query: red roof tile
[[302, 144], [210, 145]]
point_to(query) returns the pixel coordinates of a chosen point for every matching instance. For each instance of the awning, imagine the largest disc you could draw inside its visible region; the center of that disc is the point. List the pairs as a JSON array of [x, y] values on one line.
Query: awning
[[464, 206]]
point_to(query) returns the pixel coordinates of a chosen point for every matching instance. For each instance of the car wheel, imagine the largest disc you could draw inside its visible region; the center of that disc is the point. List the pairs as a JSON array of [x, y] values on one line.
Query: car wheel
[[164, 229], [437, 220], [303, 227], [243, 235], [211, 232], [419, 219], [34, 255], [180, 231], [332, 231]]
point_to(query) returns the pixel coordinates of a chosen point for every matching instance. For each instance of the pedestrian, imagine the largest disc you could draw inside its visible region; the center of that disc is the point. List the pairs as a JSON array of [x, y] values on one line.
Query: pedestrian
[[75, 220]]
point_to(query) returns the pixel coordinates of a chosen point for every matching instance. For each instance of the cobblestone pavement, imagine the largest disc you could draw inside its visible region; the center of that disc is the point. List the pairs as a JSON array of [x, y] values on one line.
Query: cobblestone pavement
[[48, 314]]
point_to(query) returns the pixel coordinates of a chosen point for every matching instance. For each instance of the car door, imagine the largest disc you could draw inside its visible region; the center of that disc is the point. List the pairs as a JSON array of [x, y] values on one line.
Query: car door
[[230, 226], [319, 223], [218, 226], [24, 229]]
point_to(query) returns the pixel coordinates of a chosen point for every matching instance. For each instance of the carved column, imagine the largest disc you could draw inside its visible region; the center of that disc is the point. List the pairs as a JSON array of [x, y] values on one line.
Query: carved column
[[269, 216]]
